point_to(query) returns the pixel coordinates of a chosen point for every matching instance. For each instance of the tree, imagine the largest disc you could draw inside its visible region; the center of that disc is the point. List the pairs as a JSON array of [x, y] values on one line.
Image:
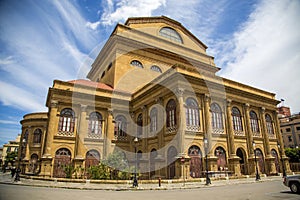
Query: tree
[[293, 154], [11, 157]]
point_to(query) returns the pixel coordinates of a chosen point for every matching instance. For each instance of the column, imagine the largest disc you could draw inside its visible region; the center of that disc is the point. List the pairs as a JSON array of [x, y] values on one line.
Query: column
[[234, 164], [81, 134], [109, 133], [270, 160], [211, 158], [46, 159], [182, 121]]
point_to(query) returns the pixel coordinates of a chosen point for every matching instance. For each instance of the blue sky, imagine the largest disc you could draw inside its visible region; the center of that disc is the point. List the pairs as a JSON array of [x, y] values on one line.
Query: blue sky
[[254, 42]]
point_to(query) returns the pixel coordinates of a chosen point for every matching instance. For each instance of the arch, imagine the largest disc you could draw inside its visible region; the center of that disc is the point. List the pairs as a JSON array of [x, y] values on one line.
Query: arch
[[242, 154], [120, 127], [236, 119], [155, 68], [66, 120], [140, 124], [61, 160], [260, 160], [195, 155], [220, 153], [95, 125], [192, 112], [275, 155], [153, 120], [136, 63], [171, 159], [37, 136], [254, 122], [171, 113], [92, 158], [269, 124], [170, 34], [33, 166], [153, 155], [216, 116]]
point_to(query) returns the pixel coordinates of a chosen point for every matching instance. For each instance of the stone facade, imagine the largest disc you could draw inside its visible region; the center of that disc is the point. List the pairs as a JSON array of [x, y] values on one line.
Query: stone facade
[[154, 81]]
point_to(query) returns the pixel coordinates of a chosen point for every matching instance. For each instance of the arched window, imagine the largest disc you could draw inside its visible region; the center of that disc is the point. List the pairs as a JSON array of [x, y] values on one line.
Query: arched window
[[155, 68], [192, 112], [136, 63], [269, 125], [236, 119], [95, 125], [66, 120], [120, 126], [171, 113], [170, 34], [254, 122], [216, 116], [37, 136], [92, 158], [153, 120], [140, 124]]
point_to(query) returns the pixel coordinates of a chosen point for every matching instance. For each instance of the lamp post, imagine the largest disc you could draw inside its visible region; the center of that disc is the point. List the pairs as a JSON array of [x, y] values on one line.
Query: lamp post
[[282, 163], [206, 163], [257, 175], [135, 181]]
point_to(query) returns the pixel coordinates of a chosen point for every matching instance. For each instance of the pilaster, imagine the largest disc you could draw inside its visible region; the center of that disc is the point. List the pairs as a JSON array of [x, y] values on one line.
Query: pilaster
[[230, 141], [208, 126], [249, 133]]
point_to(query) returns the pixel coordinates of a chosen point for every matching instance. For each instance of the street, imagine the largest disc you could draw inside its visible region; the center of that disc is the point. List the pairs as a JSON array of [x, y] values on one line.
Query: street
[[248, 191]]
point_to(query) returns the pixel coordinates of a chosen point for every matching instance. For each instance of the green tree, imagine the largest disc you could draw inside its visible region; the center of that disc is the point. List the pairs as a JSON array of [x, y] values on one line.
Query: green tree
[[11, 157], [69, 170], [100, 171], [293, 154], [118, 165]]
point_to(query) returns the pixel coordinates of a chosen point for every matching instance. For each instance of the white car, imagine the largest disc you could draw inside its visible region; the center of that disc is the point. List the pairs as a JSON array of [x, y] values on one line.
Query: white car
[[293, 182]]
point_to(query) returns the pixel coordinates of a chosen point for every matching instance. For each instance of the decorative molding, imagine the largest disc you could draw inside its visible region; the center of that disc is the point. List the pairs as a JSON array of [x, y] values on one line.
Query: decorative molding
[[53, 104]]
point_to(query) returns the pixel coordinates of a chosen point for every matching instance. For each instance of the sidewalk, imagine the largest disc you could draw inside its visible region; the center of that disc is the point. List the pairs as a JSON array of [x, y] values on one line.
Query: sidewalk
[[6, 179]]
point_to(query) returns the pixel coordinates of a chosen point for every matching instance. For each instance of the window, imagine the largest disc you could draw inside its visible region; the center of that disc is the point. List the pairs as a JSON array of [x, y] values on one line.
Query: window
[[8, 150], [216, 116], [269, 124], [171, 113], [120, 126], [236, 119], [136, 63], [298, 128], [153, 120], [109, 66], [288, 129], [95, 124], [66, 120], [37, 136], [290, 138], [140, 124], [192, 112], [156, 68], [254, 122], [170, 34]]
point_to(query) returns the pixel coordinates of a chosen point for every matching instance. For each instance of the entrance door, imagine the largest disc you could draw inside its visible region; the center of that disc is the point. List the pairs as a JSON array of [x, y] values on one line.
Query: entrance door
[[195, 161], [172, 153], [240, 153], [61, 160]]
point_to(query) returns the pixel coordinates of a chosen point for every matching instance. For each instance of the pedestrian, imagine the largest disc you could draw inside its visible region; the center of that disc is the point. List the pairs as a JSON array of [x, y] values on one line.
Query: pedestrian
[[13, 172], [17, 178]]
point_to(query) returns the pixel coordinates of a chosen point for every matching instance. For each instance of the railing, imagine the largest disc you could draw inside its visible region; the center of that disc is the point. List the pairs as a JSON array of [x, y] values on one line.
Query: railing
[[193, 128], [295, 167], [218, 131], [239, 133], [65, 133]]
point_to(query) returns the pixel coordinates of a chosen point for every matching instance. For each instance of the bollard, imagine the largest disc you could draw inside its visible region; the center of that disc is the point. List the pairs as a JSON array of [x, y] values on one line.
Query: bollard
[[159, 182]]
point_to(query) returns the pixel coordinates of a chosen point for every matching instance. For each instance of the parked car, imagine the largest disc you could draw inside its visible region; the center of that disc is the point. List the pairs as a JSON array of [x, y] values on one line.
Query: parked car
[[293, 182]]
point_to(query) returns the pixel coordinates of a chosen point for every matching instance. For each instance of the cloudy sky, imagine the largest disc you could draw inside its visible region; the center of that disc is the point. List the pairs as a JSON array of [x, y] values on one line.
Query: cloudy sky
[[254, 42]]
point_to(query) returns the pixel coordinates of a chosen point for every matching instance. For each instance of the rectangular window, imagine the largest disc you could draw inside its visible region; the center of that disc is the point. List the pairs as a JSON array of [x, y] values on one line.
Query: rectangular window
[[290, 138], [288, 129], [298, 128]]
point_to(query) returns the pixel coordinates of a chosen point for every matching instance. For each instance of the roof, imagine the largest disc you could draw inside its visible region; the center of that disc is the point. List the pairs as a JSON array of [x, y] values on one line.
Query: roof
[[92, 84]]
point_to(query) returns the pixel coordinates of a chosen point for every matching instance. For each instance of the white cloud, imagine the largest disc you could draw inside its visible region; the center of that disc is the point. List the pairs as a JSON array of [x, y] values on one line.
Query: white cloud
[[6, 61], [266, 51], [122, 9]]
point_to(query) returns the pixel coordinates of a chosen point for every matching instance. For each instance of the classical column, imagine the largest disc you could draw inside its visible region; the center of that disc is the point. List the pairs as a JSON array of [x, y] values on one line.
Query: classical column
[[270, 160], [46, 159], [144, 128], [109, 134], [81, 134], [249, 134], [234, 164], [182, 121], [52, 129]]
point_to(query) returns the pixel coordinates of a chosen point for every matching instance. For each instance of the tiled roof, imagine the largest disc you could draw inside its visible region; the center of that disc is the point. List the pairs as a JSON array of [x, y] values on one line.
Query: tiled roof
[[91, 84]]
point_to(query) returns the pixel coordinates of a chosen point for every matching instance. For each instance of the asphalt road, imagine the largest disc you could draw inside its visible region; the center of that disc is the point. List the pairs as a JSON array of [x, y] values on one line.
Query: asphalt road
[[256, 191]]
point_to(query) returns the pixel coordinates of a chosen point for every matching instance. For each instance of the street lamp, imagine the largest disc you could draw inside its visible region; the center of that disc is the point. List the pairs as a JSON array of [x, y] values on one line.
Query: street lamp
[[206, 163], [254, 149], [280, 153], [135, 181]]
